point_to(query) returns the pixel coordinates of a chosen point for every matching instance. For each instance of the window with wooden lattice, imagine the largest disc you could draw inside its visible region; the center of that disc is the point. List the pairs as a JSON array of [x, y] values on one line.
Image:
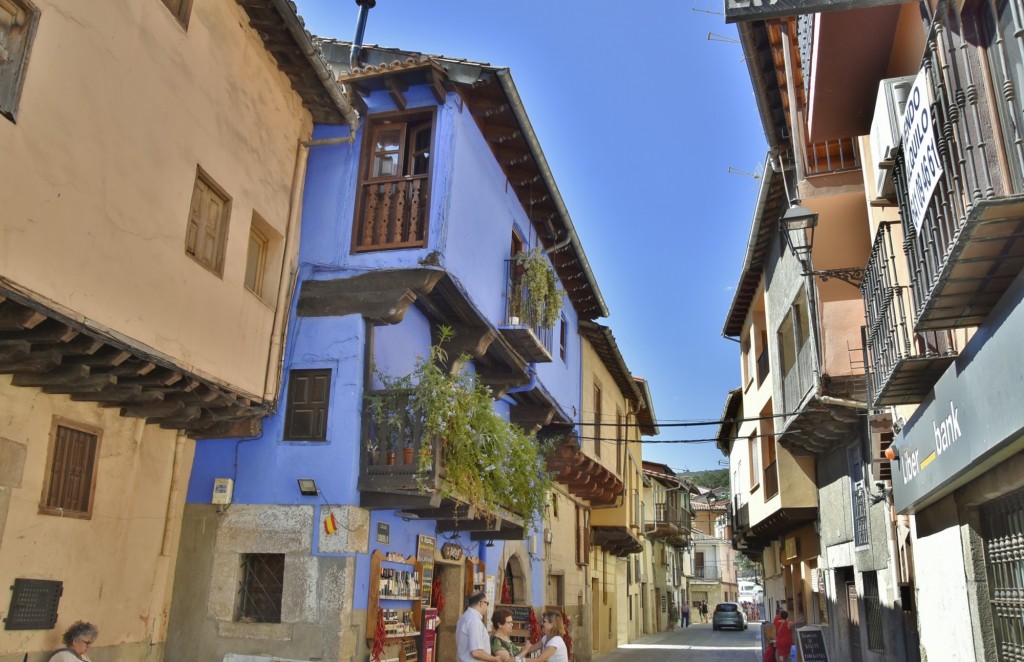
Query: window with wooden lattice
[[207, 228], [71, 477]]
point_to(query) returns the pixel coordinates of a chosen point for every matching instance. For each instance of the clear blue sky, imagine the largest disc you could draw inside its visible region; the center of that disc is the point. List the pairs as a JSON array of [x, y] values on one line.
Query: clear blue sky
[[640, 117]]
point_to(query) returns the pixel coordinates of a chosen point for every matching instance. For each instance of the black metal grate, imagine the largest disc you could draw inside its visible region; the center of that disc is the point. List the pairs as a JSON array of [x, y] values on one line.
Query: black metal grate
[[33, 604], [873, 608], [1003, 529], [259, 592]]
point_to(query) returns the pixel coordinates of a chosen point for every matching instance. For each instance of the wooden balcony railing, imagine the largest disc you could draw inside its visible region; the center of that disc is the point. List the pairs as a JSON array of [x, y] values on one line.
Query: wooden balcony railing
[[393, 213], [707, 572], [667, 513], [391, 458], [904, 365]]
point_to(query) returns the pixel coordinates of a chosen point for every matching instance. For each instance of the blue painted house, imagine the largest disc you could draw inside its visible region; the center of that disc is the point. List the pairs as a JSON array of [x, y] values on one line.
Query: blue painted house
[[410, 225]]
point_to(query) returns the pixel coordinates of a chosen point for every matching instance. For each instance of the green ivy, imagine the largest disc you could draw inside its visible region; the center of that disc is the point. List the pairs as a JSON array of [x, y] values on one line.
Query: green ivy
[[543, 301], [490, 462]]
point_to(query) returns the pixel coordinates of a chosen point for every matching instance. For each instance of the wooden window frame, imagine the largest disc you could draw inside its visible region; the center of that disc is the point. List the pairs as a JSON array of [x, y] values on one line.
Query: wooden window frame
[[192, 247], [289, 430], [260, 269], [411, 122], [58, 423], [19, 20], [182, 14]]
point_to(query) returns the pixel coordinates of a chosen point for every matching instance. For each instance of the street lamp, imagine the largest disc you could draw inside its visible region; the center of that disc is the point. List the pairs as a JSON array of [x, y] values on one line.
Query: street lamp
[[798, 223]]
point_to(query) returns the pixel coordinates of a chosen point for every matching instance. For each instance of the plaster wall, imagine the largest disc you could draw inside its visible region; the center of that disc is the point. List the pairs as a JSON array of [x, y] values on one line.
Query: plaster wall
[[96, 201], [561, 567], [117, 565], [596, 374]]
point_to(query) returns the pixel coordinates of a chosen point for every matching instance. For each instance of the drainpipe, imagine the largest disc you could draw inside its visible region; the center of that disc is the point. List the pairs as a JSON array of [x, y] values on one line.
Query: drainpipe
[[531, 370], [357, 42]]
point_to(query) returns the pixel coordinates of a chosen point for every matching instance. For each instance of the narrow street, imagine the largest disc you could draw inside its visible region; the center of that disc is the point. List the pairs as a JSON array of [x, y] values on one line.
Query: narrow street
[[698, 643]]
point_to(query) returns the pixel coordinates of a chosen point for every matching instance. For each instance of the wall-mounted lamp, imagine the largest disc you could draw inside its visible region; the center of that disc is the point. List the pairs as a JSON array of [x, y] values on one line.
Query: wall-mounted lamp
[[798, 223], [490, 543], [307, 487]]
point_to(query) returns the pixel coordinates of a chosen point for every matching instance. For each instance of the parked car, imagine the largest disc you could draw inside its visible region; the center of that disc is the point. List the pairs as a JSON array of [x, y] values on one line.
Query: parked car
[[729, 615]]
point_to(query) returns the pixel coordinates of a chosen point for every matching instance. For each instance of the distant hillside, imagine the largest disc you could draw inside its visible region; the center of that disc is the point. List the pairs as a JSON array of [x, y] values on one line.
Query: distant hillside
[[710, 479]]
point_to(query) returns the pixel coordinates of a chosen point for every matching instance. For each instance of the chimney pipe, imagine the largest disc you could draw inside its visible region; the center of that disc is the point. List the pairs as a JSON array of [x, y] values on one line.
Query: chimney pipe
[[357, 43]]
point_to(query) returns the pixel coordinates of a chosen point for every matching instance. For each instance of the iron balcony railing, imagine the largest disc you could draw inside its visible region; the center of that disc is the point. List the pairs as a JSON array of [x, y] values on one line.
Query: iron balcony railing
[[707, 572], [798, 380], [771, 480], [762, 366], [668, 513], [517, 296], [952, 252], [904, 365]]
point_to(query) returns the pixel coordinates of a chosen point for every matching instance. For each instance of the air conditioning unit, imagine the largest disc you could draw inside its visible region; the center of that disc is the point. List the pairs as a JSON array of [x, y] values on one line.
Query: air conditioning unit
[[886, 130]]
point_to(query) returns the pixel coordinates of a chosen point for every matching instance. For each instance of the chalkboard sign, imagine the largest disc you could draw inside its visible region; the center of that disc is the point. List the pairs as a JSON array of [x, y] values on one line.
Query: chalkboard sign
[[811, 641], [520, 613]]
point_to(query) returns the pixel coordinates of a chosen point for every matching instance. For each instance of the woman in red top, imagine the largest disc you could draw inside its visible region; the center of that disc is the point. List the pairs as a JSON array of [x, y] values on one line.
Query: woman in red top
[[783, 637]]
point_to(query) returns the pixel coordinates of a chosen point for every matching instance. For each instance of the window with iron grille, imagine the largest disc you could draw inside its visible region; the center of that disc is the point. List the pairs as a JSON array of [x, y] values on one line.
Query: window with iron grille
[[1002, 529], [873, 607], [261, 588], [860, 514], [309, 394], [71, 480]]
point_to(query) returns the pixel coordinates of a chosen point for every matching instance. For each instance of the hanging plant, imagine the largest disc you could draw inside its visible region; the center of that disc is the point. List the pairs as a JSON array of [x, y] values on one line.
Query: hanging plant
[[489, 462], [536, 296]]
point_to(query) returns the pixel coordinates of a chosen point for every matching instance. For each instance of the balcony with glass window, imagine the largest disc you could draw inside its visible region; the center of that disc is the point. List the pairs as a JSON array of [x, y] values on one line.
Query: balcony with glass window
[[967, 246], [904, 364], [615, 529], [670, 524]]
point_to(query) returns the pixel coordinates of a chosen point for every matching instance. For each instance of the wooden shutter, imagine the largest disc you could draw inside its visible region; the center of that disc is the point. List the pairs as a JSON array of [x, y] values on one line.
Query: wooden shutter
[[207, 224], [308, 401], [72, 464]]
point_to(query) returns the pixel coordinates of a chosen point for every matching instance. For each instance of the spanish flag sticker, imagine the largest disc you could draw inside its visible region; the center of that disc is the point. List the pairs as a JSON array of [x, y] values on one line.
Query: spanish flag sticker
[[330, 524]]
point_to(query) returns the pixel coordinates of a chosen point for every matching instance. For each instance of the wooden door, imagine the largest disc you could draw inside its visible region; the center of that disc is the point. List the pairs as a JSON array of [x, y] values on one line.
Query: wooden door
[[853, 611]]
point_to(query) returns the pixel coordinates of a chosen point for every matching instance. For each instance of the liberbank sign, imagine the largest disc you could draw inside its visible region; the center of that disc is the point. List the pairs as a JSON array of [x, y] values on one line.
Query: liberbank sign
[[973, 419], [758, 10]]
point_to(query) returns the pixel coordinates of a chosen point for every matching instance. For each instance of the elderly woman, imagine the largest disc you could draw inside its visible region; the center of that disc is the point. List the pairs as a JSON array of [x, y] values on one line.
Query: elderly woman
[[501, 640], [77, 640]]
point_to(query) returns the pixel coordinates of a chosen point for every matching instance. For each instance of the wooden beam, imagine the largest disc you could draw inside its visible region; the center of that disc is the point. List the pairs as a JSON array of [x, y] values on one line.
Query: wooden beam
[[153, 409], [53, 377], [34, 362], [90, 384], [437, 86], [396, 90], [17, 318]]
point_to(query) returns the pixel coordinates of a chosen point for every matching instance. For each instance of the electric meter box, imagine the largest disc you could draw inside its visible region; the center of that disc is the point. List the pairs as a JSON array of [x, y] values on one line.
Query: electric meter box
[[222, 490]]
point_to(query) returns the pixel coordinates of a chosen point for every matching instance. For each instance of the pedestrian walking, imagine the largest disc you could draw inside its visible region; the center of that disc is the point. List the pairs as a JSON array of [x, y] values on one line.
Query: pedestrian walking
[[673, 615], [783, 638], [704, 611], [686, 614]]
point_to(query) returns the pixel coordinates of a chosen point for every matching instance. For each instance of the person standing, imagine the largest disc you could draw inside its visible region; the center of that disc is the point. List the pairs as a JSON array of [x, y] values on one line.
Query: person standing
[[77, 640], [783, 638], [501, 640], [704, 611], [686, 614], [471, 640], [673, 615], [552, 643]]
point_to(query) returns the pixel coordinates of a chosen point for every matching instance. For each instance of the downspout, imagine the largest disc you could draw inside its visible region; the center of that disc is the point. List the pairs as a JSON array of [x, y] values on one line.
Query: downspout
[[271, 378], [531, 370], [357, 42]]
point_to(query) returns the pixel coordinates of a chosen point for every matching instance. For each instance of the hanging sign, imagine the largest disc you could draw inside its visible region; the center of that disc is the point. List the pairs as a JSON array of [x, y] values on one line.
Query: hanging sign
[[923, 165]]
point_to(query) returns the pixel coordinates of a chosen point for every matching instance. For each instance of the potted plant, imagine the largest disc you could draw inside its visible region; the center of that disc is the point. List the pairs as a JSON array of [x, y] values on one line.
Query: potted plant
[[536, 298], [489, 462]]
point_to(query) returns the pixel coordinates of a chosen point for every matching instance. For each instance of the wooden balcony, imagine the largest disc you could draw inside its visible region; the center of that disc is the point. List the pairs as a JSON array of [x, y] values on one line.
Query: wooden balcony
[[970, 243], [393, 213], [904, 365], [671, 524], [583, 476], [43, 349], [617, 540], [393, 475]]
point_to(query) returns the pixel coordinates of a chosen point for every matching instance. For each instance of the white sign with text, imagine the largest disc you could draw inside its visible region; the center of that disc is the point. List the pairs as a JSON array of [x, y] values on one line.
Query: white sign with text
[[923, 165]]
